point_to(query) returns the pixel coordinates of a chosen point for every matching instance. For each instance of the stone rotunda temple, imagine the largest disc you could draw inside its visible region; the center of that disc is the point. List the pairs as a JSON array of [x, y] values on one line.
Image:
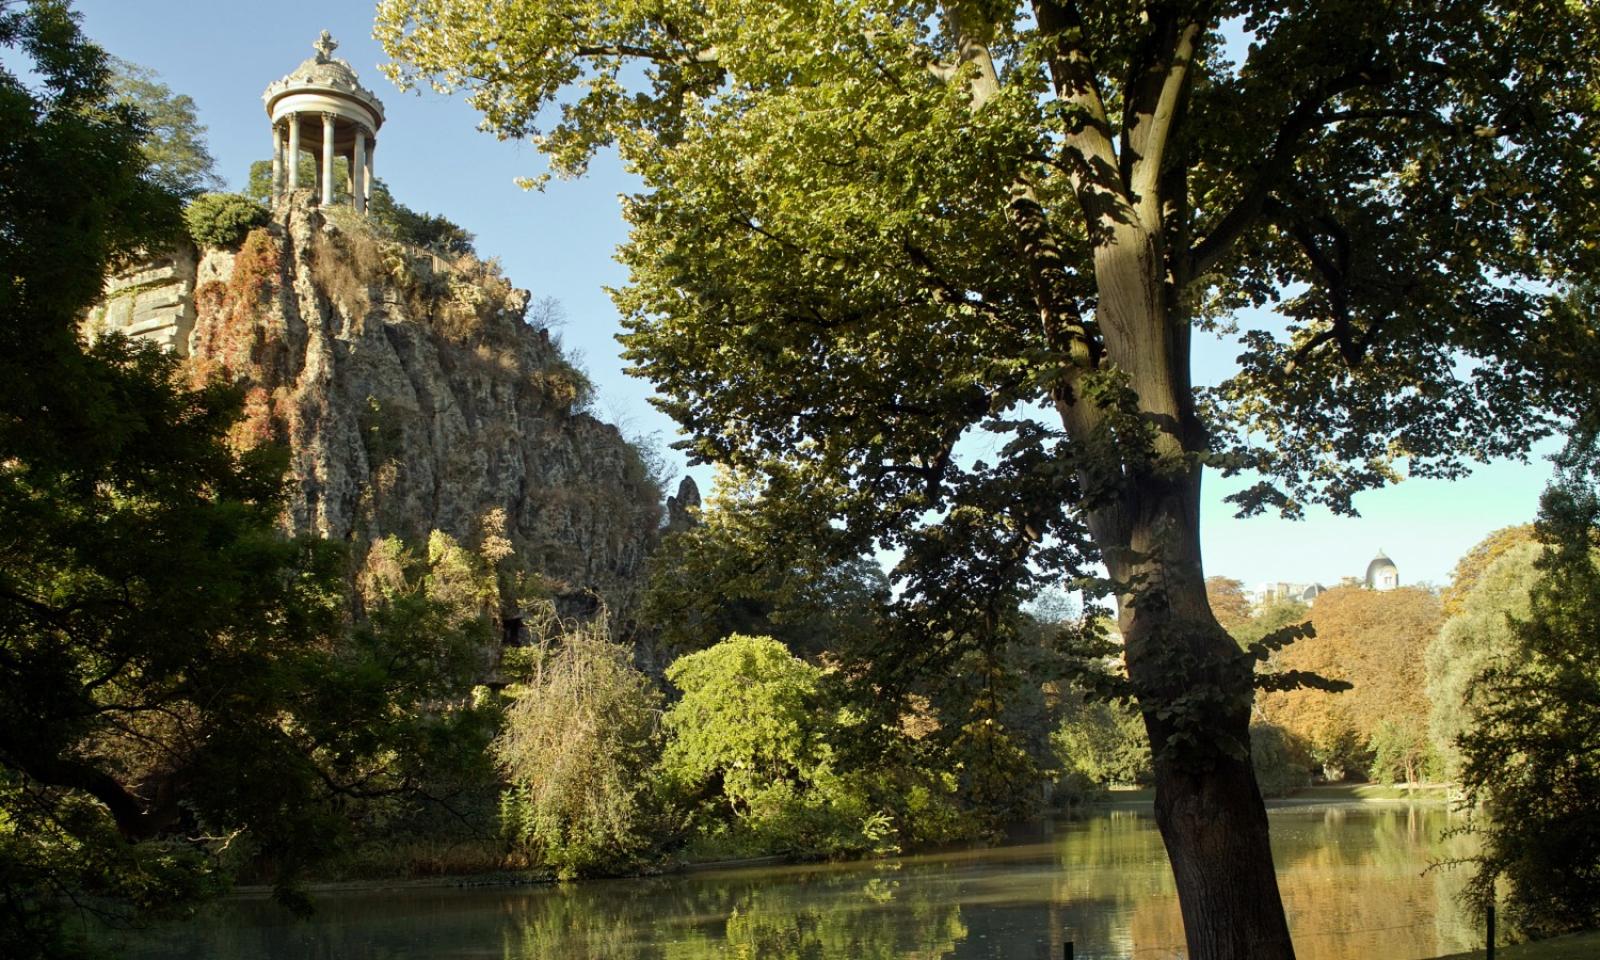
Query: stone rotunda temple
[[321, 107]]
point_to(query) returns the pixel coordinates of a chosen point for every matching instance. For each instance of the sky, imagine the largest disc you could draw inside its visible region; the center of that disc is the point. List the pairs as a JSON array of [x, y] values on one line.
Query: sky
[[560, 243]]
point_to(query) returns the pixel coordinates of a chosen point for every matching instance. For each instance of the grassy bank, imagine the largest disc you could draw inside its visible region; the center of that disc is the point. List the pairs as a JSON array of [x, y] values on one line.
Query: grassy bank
[[1329, 793], [1579, 946], [1344, 792]]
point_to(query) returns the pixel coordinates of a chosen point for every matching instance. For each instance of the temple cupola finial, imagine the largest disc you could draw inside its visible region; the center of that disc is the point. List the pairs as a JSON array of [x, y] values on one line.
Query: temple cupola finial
[[325, 46]]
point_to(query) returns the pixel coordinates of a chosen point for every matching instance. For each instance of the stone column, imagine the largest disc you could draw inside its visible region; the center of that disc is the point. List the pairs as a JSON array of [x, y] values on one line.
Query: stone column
[[294, 151], [366, 176], [358, 172], [327, 159], [277, 163]]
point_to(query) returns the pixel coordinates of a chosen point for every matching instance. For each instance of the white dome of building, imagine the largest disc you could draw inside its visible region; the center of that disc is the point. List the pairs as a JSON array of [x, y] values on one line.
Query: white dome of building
[[1382, 574]]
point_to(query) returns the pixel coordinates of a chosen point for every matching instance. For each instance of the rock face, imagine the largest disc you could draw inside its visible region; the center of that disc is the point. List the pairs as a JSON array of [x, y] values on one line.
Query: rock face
[[414, 396], [154, 301], [683, 510]]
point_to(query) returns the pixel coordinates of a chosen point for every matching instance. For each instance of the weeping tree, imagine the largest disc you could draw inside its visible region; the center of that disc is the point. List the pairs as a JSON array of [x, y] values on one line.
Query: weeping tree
[[870, 231]]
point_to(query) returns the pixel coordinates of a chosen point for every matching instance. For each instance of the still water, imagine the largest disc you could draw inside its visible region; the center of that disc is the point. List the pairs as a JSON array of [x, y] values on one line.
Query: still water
[[1352, 878]]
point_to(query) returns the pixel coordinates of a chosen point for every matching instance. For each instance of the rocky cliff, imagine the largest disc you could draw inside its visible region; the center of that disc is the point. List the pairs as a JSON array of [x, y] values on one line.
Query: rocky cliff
[[413, 393]]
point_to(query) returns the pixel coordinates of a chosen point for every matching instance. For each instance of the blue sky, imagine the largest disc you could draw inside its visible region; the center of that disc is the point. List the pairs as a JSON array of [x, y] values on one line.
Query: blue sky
[[560, 243]]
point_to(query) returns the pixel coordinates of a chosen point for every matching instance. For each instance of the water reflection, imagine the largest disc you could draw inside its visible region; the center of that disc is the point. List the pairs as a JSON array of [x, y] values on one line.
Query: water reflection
[[1352, 880]]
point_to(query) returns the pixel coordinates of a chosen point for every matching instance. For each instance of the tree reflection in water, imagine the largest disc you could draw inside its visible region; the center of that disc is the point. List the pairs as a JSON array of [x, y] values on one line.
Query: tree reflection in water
[[1353, 882]]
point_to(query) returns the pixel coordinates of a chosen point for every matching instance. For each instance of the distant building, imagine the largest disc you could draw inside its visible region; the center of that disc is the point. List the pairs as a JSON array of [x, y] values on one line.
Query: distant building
[[1300, 592], [1382, 574]]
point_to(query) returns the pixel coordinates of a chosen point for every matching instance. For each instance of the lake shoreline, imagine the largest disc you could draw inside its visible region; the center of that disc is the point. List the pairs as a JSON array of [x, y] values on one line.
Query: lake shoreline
[[1353, 796], [1354, 879]]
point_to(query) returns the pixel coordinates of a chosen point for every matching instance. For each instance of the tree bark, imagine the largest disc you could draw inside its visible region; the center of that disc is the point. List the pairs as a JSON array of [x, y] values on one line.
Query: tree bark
[[1193, 684], [1208, 807], [1215, 830]]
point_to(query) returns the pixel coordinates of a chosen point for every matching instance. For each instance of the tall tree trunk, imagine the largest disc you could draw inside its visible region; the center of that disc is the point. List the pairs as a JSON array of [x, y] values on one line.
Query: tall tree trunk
[[1195, 693], [1194, 686], [1215, 830]]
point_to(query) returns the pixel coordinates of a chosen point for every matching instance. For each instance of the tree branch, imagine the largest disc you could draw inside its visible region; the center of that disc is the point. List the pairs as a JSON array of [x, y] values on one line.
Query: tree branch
[[681, 57], [135, 817], [1306, 116], [1153, 102], [1087, 136]]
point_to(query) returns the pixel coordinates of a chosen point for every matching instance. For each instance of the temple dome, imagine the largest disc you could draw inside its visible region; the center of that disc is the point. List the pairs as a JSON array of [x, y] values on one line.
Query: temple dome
[[328, 80], [333, 71], [1382, 574]]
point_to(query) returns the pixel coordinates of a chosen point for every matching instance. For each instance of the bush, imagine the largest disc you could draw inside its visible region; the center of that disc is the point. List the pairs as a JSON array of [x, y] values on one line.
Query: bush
[[752, 749], [1280, 760], [576, 746], [223, 219]]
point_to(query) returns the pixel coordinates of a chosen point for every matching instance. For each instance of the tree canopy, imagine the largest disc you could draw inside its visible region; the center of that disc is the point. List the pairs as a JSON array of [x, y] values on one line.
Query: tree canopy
[[936, 270], [174, 144], [1488, 602], [182, 686], [1532, 751], [1377, 640], [732, 571]]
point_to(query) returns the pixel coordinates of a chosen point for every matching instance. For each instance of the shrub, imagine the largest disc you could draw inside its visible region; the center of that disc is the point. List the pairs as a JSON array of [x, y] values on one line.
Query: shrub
[[751, 746], [223, 219], [576, 745], [1282, 766]]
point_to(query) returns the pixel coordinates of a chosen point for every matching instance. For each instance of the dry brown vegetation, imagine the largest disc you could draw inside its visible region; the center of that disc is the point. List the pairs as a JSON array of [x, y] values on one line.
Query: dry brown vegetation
[[238, 339], [1375, 639]]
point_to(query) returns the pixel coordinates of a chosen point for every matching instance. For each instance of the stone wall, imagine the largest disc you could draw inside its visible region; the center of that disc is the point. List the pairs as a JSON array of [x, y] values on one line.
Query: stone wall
[[152, 300]]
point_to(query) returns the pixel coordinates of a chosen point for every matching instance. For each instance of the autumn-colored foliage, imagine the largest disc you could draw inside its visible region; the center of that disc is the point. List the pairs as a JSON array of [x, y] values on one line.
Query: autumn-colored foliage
[[235, 339], [1228, 603], [1376, 640]]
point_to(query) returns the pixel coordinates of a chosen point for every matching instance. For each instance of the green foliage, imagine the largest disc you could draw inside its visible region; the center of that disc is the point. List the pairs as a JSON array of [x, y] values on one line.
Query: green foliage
[[870, 182], [1480, 633], [1401, 753], [872, 237], [1475, 563], [184, 693], [740, 569], [174, 145], [223, 219], [1532, 756], [82, 440], [1100, 743], [1272, 617], [258, 182], [1280, 760], [578, 739], [751, 748], [430, 231]]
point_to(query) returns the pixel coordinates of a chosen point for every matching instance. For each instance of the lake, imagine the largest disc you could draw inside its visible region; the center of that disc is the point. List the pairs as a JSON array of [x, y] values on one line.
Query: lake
[[1352, 878]]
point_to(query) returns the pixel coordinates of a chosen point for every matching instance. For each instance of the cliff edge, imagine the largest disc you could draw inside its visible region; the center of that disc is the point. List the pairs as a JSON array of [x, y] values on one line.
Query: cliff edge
[[411, 390]]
